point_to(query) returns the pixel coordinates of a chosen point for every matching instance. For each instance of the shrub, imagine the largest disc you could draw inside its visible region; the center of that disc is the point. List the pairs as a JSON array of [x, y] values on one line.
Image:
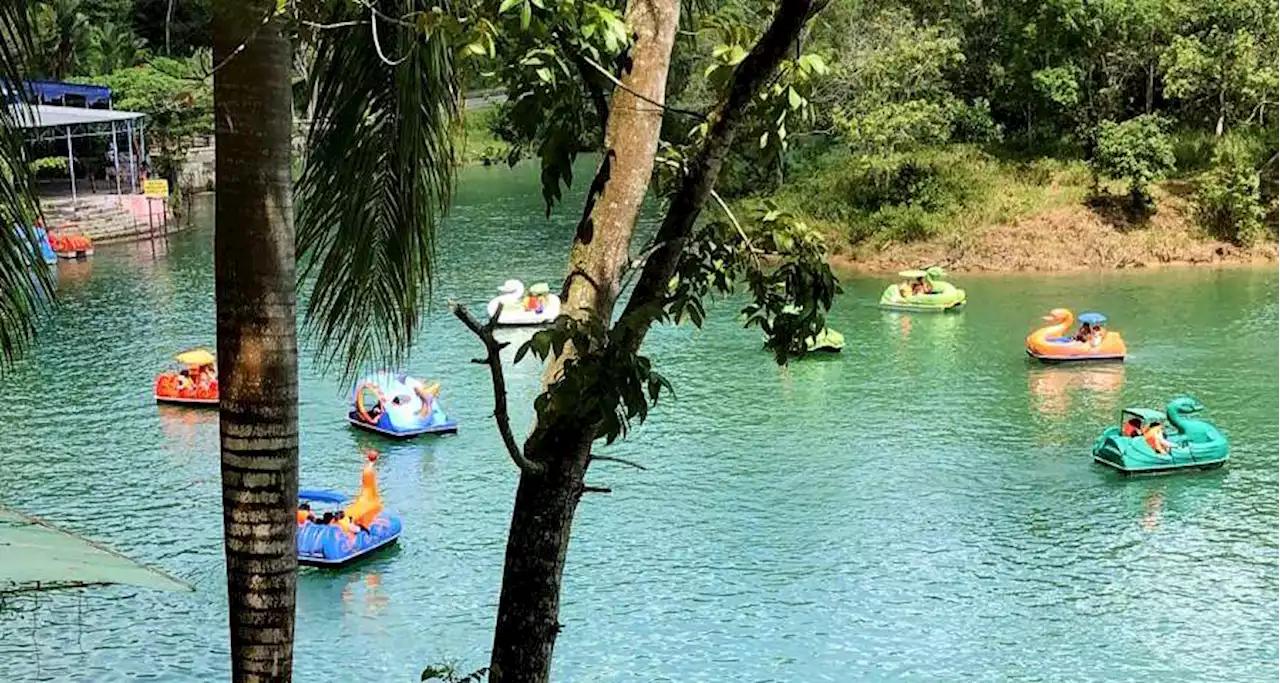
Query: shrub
[[1227, 201], [1137, 150]]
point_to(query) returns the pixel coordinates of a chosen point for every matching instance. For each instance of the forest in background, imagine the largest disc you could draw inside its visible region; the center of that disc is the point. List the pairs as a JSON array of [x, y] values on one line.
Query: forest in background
[[929, 120]]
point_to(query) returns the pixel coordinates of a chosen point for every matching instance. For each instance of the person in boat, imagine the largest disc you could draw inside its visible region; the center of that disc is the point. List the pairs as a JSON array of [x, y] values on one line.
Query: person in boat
[[1082, 335], [921, 286], [304, 514], [1096, 335], [1132, 427], [1154, 436]]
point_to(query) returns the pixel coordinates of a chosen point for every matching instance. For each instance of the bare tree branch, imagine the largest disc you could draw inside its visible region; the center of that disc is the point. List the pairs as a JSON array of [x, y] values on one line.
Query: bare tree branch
[[596, 489], [614, 79], [493, 359], [609, 458]]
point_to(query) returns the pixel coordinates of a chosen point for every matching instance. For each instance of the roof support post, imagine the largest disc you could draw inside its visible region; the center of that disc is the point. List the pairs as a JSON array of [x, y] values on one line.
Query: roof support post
[[133, 168], [71, 166], [115, 157]]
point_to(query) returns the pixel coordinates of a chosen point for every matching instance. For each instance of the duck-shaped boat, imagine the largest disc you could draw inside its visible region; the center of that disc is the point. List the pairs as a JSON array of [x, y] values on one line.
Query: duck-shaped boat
[[1053, 342], [334, 530], [399, 406], [922, 290], [195, 385], [1139, 444], [513, 307]]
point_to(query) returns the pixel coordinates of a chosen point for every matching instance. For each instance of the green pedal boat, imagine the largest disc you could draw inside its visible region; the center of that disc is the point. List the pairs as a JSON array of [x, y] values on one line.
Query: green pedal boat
[[940, 296], [1190, 443]]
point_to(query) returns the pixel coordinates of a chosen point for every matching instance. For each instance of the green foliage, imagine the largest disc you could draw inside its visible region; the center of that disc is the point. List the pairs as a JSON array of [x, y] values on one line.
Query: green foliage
[[48, 167], [1227, 200], [379, 173], [62, 40], [605, 385], [1225, 75], [178, 103], [1137, 150]]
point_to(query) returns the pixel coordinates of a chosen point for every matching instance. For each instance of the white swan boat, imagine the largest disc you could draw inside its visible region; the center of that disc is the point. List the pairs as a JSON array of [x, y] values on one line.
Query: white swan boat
[[513, 307]]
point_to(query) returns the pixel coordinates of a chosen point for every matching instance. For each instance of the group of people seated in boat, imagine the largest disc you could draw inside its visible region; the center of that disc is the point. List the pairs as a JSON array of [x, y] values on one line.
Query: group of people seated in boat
[[534, 302], [916, 287], [1090, 334], [1153, 434], [197, 377], [360, 514]]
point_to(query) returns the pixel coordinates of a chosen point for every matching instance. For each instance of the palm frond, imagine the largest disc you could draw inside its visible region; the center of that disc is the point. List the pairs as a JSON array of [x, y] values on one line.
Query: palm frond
[[26, 285], [378, 177]]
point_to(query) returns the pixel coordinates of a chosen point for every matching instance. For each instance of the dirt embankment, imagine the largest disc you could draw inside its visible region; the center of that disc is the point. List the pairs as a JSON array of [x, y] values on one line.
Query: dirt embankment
[[1073, 237]]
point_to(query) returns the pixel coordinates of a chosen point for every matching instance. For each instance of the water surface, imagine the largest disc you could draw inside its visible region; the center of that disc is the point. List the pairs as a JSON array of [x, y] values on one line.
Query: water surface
[[921, 507]]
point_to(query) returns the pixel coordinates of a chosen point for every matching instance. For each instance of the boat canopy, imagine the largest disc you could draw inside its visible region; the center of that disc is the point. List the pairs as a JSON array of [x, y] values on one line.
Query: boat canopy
[[1147, 415], [540, 289], [195, 357], [911, 274], [1093, 318]]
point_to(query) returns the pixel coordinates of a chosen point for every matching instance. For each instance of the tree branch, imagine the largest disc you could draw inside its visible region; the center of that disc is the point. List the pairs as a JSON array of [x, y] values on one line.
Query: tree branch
[[596, 489], [609, 458], [614, 79], [696, 187], [493, 359]]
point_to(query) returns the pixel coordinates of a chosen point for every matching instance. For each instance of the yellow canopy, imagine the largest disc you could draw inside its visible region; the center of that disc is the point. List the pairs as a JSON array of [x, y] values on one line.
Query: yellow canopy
[[195, 357]]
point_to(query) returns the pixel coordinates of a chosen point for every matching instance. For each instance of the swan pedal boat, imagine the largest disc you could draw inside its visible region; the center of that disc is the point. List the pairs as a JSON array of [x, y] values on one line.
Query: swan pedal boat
[[827, 341], [945, 296], [169, 386], [1054, 343], [399, 406], [511, 311], [1198, 443], [328, 545]]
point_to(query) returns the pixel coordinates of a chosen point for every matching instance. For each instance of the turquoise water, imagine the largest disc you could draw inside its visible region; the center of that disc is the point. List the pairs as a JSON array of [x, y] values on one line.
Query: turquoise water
[[921, 507]]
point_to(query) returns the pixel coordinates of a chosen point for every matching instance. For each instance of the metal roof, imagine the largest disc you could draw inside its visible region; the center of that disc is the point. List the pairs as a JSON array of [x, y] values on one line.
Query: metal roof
[[51, 116], [38, 556]]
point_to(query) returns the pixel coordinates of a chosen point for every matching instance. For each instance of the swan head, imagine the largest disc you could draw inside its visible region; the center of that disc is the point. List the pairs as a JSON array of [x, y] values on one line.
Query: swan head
[[512, 288], [1184, 404], [1057, 315]]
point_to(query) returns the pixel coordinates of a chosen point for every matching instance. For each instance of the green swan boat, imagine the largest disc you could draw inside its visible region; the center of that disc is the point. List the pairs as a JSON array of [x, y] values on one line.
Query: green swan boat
[[944, 297], [827, 340], [1197, 444]]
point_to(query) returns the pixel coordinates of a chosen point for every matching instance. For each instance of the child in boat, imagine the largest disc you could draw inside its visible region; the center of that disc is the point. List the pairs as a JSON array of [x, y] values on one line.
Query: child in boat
[[1155, 439], [1085, 333], [1095, 337]]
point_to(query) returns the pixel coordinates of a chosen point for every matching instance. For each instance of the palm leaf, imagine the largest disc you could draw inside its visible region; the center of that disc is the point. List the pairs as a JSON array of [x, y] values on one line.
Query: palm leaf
[[378, 176], [26, 285]]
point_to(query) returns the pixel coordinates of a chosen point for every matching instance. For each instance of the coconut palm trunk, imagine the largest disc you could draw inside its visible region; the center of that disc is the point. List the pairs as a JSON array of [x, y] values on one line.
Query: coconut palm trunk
[[257, 339]]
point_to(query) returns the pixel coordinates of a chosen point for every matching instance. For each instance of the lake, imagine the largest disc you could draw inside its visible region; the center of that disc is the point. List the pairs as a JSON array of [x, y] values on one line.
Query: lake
[[920, 507]]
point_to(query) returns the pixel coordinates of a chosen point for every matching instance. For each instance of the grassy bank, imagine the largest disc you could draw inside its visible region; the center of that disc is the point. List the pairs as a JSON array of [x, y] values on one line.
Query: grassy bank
[[974, 208], [475, 141]]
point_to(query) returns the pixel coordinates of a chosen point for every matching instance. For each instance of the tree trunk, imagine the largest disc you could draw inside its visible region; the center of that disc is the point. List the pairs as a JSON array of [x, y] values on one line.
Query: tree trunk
[[168, 20], [538, 540], [257, 339], [1151, 86]]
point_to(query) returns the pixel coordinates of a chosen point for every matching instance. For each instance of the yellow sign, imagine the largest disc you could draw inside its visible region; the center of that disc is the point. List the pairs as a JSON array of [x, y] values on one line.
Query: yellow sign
[[156, 188]]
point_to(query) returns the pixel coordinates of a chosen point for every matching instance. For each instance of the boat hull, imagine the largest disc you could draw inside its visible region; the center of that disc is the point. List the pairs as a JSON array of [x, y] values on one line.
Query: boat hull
[[180, 401], [446, 427]]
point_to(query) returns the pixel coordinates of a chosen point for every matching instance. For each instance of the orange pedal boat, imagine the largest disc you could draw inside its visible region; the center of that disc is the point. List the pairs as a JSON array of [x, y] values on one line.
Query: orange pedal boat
[[1054, 343], [197, 384], [71, 246]]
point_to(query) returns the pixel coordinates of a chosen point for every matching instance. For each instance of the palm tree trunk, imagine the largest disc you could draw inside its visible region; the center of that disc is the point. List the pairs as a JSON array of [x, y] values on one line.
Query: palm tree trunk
[[257, 339], [538, 540]]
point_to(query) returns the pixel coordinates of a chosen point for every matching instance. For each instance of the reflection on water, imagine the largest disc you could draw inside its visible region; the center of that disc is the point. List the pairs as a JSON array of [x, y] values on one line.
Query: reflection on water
[[1056, 388], [1151, 508]]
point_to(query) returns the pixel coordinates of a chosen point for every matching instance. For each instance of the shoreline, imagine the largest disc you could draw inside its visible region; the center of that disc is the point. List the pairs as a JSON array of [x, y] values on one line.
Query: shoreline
[[1070, 238]]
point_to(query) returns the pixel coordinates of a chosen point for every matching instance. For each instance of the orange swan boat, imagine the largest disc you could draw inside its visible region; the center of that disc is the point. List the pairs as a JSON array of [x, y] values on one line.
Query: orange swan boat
[[197, 384], [1054, 342]]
